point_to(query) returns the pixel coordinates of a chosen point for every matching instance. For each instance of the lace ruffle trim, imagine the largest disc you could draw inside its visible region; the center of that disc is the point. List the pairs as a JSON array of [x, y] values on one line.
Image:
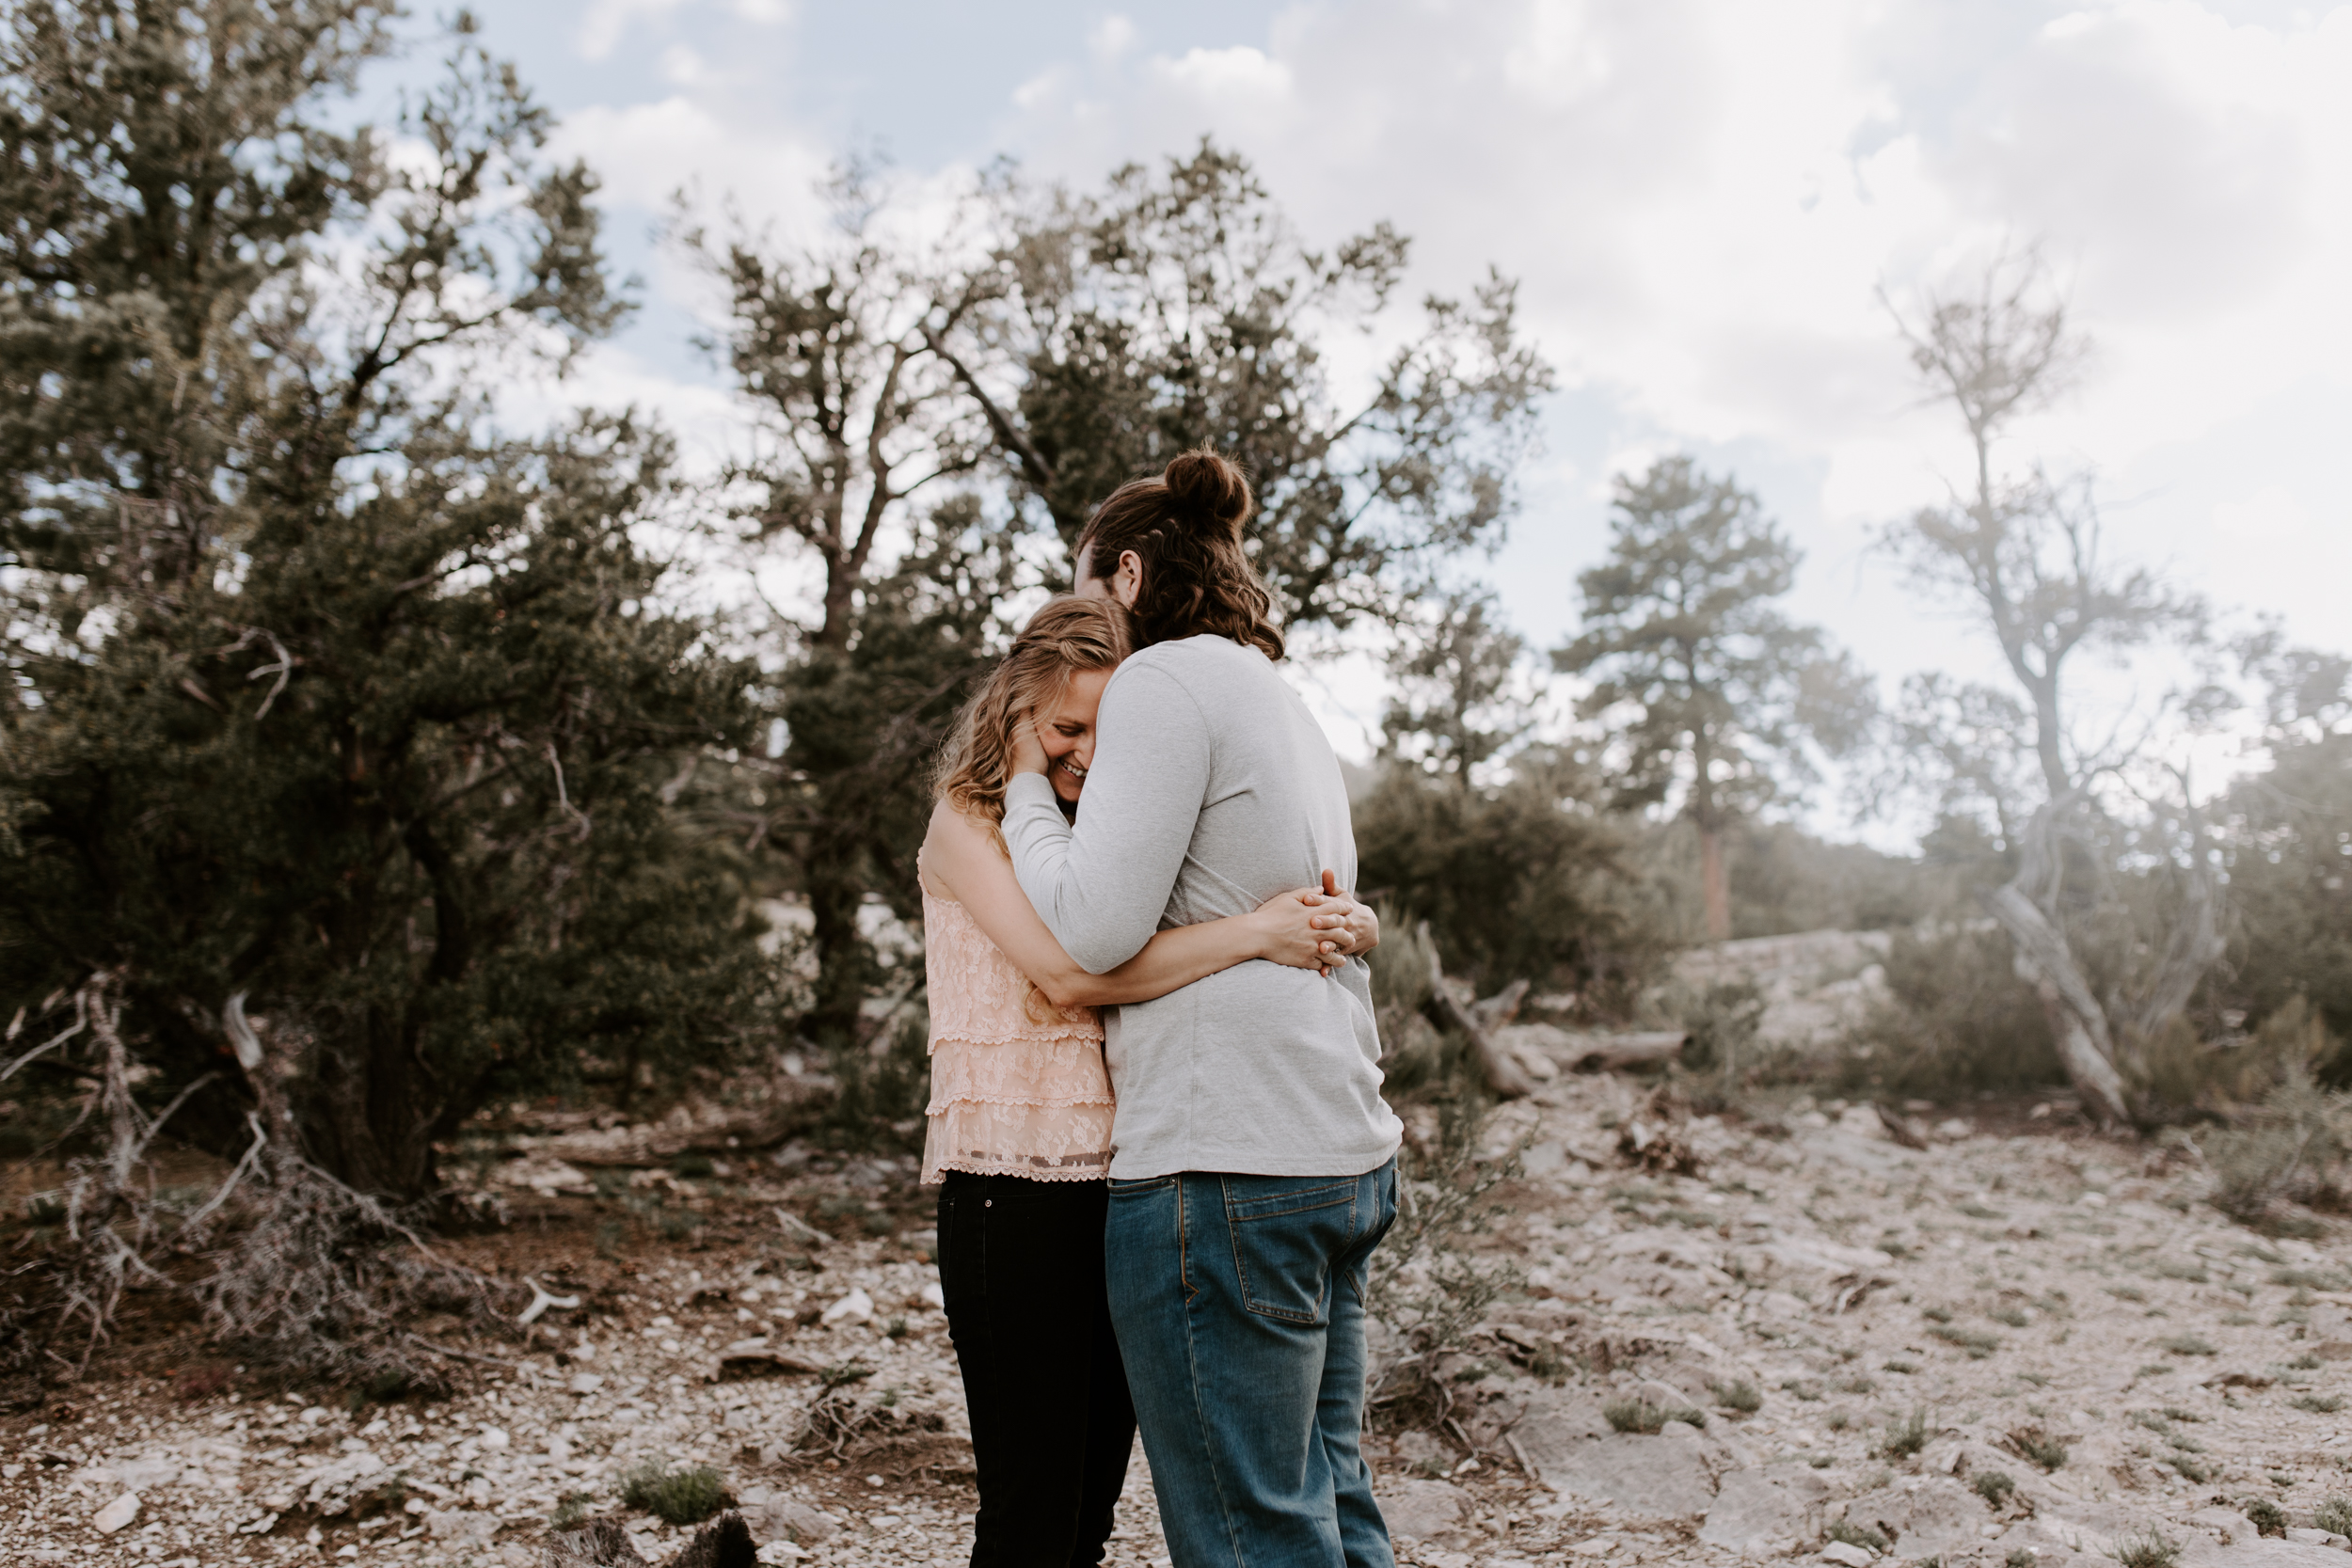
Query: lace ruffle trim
[[1048, 1143]]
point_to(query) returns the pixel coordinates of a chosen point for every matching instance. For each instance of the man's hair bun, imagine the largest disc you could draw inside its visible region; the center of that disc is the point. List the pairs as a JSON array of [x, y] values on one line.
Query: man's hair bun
[[1210, 490], [1184, 526]]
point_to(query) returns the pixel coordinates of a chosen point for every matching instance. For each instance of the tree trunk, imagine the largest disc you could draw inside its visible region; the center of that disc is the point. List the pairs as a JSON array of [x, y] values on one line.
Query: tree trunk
[[1714, 886], [842, 961], [1505, 1078], [2078, 1024]]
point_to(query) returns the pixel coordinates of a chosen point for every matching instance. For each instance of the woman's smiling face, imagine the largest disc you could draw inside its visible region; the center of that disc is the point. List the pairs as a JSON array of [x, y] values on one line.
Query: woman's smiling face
[[1067, 734]]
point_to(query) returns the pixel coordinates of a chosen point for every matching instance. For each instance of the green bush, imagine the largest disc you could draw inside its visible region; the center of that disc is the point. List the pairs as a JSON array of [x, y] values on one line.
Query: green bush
[[1993, 1486], [1522, 882], [1957, 1020], [2334, 1516], [675, 1497]]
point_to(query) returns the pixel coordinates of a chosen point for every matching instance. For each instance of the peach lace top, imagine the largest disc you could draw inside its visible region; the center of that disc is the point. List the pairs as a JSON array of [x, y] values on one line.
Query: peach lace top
[[1010, 1095]]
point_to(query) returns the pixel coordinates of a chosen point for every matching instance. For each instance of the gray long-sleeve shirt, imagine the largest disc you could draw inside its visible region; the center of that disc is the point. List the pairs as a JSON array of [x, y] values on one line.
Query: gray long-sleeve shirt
[[1213, 789]]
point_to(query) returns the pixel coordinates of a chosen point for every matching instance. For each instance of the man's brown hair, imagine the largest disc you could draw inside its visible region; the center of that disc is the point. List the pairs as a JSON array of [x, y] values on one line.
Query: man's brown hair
[[1186, 525]]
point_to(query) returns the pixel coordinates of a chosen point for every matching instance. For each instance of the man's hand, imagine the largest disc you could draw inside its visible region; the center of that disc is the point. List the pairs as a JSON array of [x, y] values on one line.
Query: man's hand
[[1355, 927]]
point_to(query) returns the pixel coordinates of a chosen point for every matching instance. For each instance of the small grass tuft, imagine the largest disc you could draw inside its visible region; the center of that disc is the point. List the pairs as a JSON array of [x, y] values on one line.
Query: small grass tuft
[[2267, 1516], [2193, 1470], [1905, 1436], [2125, 1293], [2334, 1516], [1837, 1420], [1975, 1342], [2187, 1344], [2020, 1557], [2149, 1550], [1738, 1394], [2312, 1279], [2016, 1317], [1978, 1211], [1993, 1486], [1857, 1535], [2319, 1405], [2040, 1447], [675, 1497], [1640, 1415]]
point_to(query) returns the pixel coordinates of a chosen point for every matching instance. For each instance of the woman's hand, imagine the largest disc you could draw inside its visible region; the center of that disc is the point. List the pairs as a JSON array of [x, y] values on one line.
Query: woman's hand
[[1028, 753], [1304, 928]]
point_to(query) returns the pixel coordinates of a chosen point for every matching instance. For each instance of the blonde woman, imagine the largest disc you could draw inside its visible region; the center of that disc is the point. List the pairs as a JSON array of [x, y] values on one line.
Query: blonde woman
[[1019, 1115]]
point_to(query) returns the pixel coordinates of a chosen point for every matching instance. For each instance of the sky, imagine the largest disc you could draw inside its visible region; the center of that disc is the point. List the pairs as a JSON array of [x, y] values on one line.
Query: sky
[[1703, 201]]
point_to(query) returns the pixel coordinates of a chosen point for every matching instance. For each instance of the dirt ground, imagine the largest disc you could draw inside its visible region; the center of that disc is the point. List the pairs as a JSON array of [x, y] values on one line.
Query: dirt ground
[[2022, 1300]]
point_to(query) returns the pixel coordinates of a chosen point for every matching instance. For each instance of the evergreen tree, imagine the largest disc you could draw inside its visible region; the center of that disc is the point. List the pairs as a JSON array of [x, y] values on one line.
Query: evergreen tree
[[341, 732], [1712, 693]]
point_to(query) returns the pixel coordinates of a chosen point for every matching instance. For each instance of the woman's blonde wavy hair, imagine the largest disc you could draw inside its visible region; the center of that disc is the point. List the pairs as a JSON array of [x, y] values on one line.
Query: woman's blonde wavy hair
[[1066, 636]]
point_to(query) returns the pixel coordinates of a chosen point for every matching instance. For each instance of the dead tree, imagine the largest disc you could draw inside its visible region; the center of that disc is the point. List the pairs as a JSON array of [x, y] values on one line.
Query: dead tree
[[2025, 552]]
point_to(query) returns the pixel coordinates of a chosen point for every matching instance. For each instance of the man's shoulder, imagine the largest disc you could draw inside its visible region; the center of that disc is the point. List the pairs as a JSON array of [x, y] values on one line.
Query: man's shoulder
[[1194, 662]]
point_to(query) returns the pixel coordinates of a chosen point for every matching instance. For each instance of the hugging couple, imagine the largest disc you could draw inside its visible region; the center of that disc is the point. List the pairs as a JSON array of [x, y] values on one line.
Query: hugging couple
[[1141, 970]]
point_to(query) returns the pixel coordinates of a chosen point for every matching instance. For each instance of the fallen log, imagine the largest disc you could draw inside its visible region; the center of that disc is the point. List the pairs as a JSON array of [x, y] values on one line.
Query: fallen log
[[795, 1104], [1615, 1053], [1504, 1077]]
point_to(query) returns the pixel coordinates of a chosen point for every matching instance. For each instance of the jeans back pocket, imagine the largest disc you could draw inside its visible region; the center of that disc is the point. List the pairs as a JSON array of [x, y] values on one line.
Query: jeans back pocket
[[1287, 1233]]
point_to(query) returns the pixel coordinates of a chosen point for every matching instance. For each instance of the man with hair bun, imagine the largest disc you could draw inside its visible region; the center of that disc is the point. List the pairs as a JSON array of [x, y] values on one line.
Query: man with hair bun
[[1253, 1161]]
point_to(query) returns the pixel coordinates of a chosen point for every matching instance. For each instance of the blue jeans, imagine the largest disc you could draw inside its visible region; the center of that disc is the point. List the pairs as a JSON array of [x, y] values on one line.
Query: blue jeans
[[1239, 1302]]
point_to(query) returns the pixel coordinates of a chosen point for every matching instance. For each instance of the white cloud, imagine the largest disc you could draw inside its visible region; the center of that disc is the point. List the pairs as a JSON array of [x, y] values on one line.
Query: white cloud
[[608, 21], [1702, 198]]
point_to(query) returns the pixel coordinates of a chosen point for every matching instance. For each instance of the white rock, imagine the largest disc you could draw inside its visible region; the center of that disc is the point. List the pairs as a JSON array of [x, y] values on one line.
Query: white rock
[[857, 1306], [313, 1416], [586, 1383], [933, 1296], [1847, 1554], [494, 1437], [116, 1514]]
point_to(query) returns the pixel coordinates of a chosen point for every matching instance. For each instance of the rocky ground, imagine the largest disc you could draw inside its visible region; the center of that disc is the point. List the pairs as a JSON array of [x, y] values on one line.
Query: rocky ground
[[2021, 1338]]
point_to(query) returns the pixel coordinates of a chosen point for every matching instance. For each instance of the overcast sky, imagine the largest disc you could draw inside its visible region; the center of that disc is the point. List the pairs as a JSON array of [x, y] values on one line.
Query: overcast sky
[[1700, 199]]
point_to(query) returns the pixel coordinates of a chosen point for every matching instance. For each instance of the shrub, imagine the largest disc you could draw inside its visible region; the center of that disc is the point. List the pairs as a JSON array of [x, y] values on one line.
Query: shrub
[[2187, 1344], [1515, 882], [1956, 1019], [2334, 1516], [1993, 1486], [2285, 1152], [2320, 1404], [675, 1497]]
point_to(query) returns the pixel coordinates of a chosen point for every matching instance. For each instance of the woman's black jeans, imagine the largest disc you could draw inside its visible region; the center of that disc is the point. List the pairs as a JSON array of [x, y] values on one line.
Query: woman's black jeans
[[1021, 1264]]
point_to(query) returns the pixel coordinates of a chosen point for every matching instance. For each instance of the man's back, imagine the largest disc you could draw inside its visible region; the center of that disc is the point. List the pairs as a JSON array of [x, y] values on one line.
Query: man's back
[[1213, 789]]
